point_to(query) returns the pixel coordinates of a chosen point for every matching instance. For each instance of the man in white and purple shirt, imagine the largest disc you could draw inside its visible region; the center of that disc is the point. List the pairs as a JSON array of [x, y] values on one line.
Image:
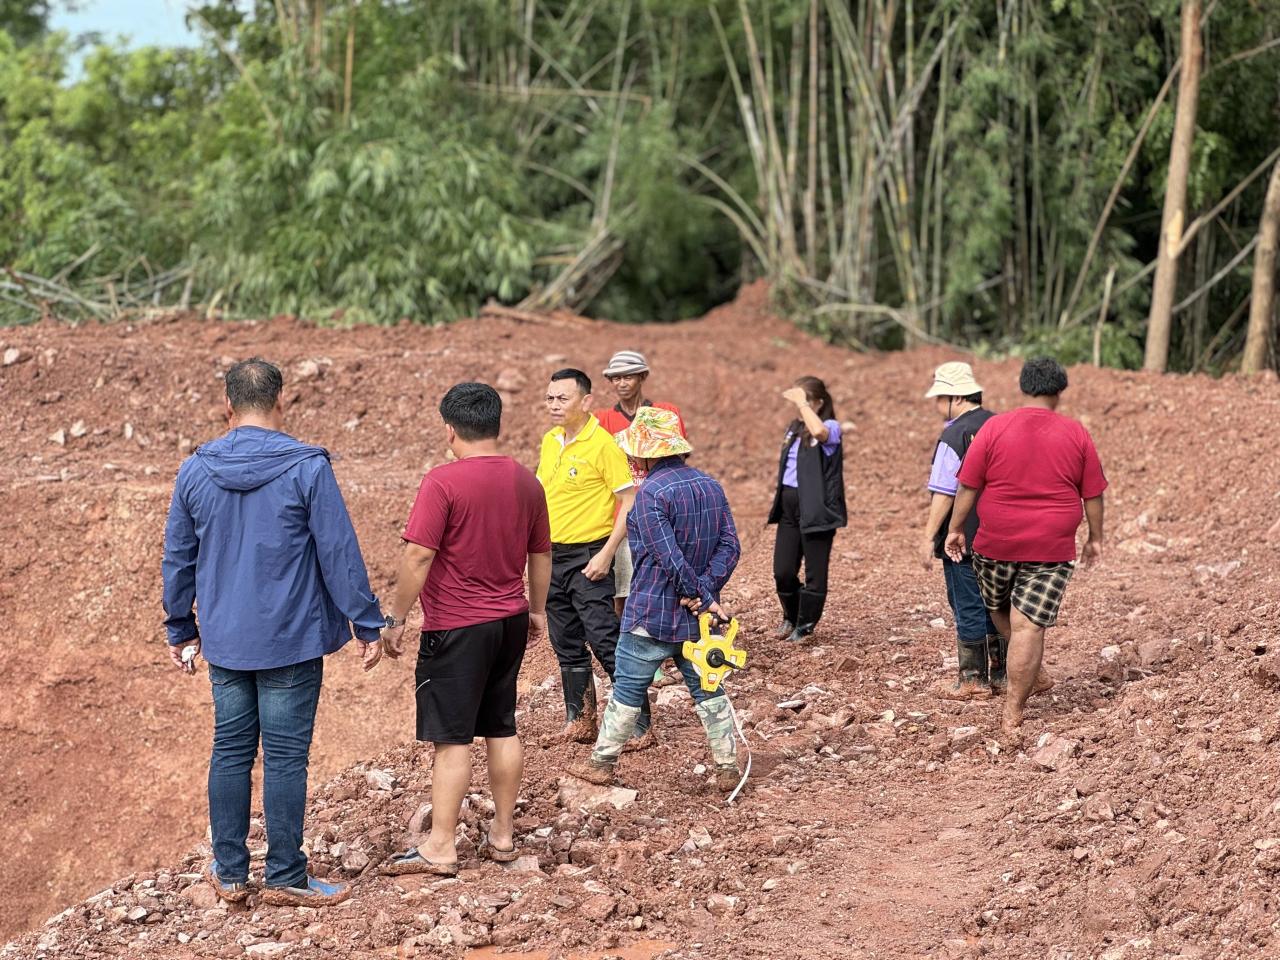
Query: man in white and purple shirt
[[980, 650]]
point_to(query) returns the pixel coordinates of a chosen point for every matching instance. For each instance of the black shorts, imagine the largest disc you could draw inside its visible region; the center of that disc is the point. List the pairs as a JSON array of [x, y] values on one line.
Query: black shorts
[[466, 680]]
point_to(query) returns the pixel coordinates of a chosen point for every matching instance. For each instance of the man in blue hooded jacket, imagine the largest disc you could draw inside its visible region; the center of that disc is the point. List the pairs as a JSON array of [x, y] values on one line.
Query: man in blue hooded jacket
[[258, 531]]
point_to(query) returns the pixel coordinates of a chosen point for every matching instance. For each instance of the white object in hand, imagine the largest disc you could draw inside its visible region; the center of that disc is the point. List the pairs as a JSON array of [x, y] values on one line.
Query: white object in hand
[[188, 657]]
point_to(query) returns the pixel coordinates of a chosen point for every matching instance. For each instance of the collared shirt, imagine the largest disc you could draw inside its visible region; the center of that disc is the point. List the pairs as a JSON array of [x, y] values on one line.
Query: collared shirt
[[790, 477], [581, 478], [946, 464], [683, 544]]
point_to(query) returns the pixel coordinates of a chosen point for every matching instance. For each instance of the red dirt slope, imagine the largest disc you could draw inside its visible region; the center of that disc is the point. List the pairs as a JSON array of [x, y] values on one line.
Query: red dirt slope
[[879, 822]]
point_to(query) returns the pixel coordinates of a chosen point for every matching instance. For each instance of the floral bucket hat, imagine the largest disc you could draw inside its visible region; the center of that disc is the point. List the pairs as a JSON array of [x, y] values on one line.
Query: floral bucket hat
[[654, 434]]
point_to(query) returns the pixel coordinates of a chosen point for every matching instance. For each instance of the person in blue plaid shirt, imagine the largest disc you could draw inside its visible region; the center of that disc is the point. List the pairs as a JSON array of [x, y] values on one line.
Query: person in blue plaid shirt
[[685, 548]]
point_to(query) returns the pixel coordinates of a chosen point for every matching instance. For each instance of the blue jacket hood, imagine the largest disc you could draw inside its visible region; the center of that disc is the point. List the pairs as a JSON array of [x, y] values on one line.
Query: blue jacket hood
[[249, 457]]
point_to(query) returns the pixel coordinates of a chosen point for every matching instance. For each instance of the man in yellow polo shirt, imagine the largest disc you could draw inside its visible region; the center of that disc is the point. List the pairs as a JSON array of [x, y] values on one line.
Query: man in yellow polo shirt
[[589, 491]]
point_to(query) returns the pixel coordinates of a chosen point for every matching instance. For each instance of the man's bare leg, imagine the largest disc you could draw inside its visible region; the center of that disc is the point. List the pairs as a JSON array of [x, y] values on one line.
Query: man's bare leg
[[1026, 649], [1003, 624], [450, 780], [506, 768]]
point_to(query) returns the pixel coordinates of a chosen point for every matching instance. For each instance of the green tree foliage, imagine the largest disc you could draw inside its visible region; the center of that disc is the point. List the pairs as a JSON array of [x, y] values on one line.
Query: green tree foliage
[[399, 214], [924, 170], [24, 20]]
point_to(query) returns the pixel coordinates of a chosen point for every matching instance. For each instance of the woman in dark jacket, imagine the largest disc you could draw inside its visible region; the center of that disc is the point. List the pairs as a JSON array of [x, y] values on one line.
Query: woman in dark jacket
[[808, 507]]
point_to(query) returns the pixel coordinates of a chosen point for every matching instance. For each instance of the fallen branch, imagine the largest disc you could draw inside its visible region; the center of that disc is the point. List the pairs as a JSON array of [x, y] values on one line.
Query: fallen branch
[[496, 310]]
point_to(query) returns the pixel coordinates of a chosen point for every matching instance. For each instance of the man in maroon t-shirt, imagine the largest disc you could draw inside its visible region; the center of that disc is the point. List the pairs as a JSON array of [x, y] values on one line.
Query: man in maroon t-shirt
[[476, 525], [1033, 468]]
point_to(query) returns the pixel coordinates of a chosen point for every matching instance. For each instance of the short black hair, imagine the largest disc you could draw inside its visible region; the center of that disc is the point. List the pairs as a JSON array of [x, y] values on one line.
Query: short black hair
[[1042, 377], [254, 384], [974, 398], [474, 410], [577, 376]]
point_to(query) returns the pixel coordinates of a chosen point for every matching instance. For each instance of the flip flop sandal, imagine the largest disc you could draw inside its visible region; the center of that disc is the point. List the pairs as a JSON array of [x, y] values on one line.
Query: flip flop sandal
[[411, 861], [497, 854]]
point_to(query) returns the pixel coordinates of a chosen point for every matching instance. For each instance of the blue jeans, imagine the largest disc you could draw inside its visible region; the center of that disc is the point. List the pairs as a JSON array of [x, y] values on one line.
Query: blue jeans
[[280, 706], [973, 622], [635, 662]]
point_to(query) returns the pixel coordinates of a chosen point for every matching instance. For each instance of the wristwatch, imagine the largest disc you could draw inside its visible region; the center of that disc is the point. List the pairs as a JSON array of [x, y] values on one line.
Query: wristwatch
[[391, 621]]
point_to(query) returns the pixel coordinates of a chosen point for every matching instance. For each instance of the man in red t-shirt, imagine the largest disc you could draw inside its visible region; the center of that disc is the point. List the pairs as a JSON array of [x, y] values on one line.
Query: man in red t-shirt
[[476, 525], [1033, 468]]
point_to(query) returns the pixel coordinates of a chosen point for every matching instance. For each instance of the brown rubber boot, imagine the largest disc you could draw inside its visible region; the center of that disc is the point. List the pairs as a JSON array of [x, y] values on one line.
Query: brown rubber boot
[[790, 613], [594, 771], [579, 730], [728, 777]]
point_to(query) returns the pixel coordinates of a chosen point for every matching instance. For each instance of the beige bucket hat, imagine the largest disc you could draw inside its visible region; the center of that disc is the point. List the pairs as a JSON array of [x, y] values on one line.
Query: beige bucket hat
[[954, 379]]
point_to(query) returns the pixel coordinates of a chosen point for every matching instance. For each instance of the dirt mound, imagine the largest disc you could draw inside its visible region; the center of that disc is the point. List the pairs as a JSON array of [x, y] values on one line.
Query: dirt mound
[[1139, 820]]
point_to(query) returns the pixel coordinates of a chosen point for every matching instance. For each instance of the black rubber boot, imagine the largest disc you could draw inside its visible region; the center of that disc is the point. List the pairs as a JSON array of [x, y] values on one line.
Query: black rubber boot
[[575, 681], [810, 612], [790, 601], [645, 720], [998, 656], [971, 676], [973, 662], [579, 705]]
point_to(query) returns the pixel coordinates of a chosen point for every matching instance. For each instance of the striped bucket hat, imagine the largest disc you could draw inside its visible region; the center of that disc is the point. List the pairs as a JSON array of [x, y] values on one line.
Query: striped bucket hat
[[625, 362]]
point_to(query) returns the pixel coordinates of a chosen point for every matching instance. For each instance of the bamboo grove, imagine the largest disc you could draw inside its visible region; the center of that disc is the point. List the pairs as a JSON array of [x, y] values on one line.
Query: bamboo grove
[[1003, 175]]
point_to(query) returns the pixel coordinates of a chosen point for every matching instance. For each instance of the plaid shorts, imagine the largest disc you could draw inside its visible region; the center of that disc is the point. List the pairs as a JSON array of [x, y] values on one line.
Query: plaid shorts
[[1033, 589]]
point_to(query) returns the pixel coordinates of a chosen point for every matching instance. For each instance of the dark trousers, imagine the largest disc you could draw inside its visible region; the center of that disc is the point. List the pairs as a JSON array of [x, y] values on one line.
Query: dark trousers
[[801, 604], [580, 614], [973, 623], [279, 706]]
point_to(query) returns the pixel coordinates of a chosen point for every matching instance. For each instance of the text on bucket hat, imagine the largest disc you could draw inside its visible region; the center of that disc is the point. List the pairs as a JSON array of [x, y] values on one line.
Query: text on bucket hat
[[654, 434], [954, 379], [626, 361]]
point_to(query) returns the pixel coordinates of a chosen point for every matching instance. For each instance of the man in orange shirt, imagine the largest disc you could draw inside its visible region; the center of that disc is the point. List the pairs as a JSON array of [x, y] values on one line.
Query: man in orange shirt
[[627, 372]]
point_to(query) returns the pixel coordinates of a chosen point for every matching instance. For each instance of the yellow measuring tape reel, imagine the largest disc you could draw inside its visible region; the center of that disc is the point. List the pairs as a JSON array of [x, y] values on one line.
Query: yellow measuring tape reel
[[714, 655]]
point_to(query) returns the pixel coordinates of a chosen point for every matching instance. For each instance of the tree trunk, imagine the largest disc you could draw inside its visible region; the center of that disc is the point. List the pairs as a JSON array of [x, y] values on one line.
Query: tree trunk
[[1160, 321], [1262, 302], [350, 65]]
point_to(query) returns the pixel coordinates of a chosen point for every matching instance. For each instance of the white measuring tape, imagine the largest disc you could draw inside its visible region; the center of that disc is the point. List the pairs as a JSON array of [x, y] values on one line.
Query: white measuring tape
[[737, 725]]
